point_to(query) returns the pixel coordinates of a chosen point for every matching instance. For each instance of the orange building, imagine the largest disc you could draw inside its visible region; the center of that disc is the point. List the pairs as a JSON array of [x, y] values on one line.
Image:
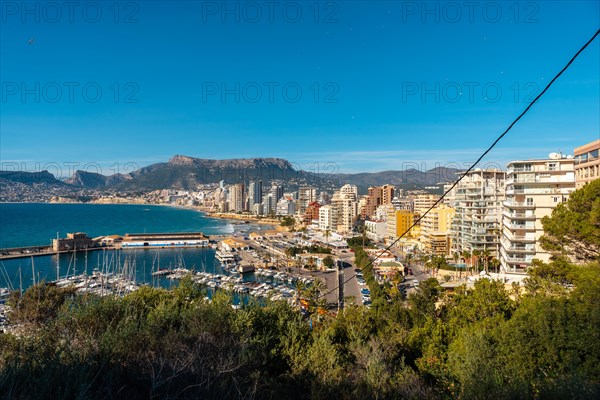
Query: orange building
[[312, 212]]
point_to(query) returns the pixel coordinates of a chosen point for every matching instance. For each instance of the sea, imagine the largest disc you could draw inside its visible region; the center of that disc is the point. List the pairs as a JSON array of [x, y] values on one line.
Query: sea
[[32, 224]]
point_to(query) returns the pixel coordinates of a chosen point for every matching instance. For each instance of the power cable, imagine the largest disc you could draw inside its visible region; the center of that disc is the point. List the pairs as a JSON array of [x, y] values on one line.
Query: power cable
[[370, 264]]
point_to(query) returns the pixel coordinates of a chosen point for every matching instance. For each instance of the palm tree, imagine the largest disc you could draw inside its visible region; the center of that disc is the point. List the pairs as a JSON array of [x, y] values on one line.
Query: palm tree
[[477, 253], [486, 254], [495, 263], [327, 234], [314, 294], [301, 292], [467, 256]]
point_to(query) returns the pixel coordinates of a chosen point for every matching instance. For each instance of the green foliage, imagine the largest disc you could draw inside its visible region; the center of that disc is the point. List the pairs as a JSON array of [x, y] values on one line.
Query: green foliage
[[357, 241], [328, 262], [574, 226], [312, 249], [288, 221], [39, 304], [473, 343]]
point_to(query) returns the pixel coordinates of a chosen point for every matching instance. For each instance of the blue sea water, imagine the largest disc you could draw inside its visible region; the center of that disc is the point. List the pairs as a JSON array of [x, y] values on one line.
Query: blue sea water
[[31, 224], [26, 224]]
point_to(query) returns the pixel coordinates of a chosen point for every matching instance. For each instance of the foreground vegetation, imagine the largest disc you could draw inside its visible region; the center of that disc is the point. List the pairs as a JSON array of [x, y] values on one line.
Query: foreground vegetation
[[540, 341], [173, 344]]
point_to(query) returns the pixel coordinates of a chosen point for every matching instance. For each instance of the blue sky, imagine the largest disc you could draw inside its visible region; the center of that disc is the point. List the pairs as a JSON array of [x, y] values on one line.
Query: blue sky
[[384, 84]]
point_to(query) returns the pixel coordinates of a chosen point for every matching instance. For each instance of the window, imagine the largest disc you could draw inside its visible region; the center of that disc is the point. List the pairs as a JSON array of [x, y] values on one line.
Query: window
[[555, 199], [552, 166], [529, 201]]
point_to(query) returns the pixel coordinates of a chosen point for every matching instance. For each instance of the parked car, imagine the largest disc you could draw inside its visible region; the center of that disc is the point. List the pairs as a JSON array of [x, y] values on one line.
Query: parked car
[[365, 291]]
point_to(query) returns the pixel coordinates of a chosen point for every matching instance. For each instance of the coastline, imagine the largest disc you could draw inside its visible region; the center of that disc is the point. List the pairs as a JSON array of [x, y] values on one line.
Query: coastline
[[234, 224]]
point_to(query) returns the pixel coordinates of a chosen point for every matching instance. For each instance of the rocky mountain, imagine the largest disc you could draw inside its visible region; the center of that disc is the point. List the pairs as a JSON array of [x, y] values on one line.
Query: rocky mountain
[[186, 173], [30, 177], [93, 180], [183, 172]]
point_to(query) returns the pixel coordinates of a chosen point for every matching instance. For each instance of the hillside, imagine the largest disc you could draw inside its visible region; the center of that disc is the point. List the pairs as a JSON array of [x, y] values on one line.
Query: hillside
[[407, 179]]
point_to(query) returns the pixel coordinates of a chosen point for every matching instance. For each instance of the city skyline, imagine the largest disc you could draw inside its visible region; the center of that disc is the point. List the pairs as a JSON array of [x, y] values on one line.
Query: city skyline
[[384, 85]]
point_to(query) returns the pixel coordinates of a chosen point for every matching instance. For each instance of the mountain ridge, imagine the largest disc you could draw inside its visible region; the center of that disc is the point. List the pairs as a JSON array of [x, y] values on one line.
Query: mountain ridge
[[187, 173]]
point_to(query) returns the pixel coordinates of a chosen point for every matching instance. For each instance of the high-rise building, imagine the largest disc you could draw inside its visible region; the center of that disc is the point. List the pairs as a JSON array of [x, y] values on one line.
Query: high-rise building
[[435, 230], [387, 194], [373, 200], [587, 163], [277, 191], [398, 222], [269, 204], [325, 218], [477, 200], [286, 206], [236, 198], [254, 193], [403, 203], [533, 189], [344, 208], [323, 198], [306, 195], [377, 195], [423, 202]]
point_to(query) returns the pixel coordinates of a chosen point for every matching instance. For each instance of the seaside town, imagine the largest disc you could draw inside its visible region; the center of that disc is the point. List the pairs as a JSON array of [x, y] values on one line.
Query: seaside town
[[491, 218], [488, 225]]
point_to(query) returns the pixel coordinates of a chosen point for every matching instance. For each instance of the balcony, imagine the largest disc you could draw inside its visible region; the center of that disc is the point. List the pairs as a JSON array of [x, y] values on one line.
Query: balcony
[[518, 204], [512, 170], [515, 226], [519, 214], [513, 237], [520, 249], [520, 260]]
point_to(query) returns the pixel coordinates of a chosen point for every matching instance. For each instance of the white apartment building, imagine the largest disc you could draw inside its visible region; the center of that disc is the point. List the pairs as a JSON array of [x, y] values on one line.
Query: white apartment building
[[325, 218], [269, 204], [286, 206], [344, 208], [236, 198], [533, 189], [477, 202], [376, 230], [422, 202]]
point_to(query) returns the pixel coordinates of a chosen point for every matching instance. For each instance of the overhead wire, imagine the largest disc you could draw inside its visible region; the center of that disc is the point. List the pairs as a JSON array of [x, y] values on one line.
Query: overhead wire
[[370, 264]]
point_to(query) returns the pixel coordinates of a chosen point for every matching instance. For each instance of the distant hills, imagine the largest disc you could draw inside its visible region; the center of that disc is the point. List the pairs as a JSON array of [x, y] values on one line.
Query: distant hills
[[186, 173], [406, 179], [183, 172], [30, 177]]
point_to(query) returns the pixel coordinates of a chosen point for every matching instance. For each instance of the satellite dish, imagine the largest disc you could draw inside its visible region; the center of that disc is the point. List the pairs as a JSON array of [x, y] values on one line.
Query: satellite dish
[[554, 156]]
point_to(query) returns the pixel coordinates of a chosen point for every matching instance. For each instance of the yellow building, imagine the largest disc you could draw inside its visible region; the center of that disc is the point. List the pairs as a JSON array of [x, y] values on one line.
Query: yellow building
[[435, 228], [399, 222]]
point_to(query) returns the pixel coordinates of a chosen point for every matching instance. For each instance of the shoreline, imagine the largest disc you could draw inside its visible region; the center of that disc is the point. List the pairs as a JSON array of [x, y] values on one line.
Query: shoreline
[[234, 223]]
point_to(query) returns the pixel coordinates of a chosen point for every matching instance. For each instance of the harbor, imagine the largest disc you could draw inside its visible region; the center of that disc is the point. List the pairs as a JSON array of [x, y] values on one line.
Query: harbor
[[121, 264]]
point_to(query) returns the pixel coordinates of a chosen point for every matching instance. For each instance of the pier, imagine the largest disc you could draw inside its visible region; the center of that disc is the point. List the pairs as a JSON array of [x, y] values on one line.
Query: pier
[[81, 242]]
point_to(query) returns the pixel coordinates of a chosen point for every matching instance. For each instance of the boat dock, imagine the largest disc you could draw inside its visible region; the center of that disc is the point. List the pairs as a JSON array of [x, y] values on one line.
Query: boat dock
[[81, 242]]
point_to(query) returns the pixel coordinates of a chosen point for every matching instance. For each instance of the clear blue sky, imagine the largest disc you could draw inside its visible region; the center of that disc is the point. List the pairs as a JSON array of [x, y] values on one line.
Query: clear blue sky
[[371, 58]]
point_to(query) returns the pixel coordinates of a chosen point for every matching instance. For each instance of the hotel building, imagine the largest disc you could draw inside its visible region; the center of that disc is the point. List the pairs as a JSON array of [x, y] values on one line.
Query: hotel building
[[533, 189], [477, 200]]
